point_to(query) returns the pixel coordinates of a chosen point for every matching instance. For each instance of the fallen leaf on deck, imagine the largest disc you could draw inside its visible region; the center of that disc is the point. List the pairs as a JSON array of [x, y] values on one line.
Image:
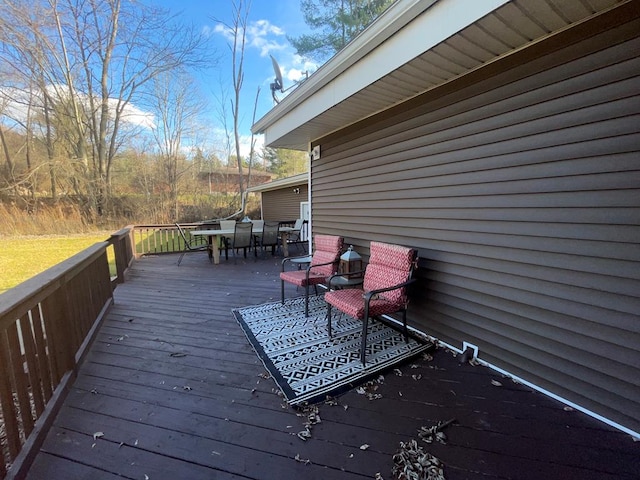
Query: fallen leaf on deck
[[496, 383], [178, 354], [302, 460], [98, 435], [364, 446], [187, 388]]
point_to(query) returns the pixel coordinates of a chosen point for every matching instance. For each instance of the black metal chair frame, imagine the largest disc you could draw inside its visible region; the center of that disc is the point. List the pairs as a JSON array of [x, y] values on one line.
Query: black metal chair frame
[[190, 244], [270, 236], [243, 231]]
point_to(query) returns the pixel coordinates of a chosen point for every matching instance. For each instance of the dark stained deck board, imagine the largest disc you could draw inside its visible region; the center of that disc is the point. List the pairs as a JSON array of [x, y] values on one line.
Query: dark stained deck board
[[231, 422]]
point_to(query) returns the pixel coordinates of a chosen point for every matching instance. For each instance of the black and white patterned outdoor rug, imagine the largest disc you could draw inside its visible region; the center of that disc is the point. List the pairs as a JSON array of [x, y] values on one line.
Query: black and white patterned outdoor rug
[[301, 358]]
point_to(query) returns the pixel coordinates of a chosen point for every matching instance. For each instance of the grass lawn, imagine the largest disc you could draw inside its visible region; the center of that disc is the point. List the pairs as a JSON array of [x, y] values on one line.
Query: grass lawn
[[23, 257]]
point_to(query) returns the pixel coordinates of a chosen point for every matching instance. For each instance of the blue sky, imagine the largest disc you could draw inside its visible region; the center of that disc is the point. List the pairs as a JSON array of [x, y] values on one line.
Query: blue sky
[[269, 24]]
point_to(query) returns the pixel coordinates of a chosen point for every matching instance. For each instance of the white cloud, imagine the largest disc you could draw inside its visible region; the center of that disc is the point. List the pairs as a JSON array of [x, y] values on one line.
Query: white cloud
[[133, 115], [15, 105], [300, 68], [261, 35]]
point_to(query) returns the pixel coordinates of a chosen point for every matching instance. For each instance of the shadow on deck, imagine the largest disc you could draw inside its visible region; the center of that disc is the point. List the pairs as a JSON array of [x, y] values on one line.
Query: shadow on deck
[[171, 389]]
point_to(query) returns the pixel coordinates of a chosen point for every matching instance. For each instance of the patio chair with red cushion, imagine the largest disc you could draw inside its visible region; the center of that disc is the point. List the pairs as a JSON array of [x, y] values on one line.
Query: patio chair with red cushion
[[384, 289], [324, 263]]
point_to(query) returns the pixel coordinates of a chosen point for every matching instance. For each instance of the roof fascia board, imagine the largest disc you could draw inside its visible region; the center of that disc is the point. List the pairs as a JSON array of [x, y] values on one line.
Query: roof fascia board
[[280, 183], [387, 44]]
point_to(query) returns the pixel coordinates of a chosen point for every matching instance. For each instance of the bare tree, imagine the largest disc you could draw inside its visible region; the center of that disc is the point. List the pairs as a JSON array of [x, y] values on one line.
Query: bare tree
[[98, 58], [237, 32], [177, 109]]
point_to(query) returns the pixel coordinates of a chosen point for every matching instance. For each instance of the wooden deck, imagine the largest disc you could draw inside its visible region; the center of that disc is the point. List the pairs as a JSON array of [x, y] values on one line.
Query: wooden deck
[[177, 392]]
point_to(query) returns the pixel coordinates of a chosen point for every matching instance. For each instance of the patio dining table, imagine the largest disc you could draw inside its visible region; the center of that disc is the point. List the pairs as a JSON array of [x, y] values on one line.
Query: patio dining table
[[215, 238]]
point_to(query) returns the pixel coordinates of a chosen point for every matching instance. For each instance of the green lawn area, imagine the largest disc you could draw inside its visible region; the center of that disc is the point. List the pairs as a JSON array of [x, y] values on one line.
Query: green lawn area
[[23, 257]]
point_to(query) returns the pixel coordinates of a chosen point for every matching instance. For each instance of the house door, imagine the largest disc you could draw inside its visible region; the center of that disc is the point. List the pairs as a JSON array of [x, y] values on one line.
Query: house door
[[305, 214]]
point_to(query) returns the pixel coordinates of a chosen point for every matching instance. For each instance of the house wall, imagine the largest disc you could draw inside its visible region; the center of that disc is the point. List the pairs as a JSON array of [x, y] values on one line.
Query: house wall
[[520, 186], [284, 204]]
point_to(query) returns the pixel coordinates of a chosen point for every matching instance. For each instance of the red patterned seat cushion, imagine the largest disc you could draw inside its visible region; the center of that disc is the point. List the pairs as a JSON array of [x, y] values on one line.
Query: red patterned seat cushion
[[299, 277], [328, 248], [389, 265], [351, 302]]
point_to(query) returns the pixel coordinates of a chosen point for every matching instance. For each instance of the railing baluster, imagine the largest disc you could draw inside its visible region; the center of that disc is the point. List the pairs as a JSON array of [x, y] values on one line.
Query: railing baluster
[[33, 367], [9, 414], [20, 379]]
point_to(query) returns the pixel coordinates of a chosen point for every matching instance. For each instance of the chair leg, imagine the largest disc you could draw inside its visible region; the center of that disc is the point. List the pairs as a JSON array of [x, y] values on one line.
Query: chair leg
[[363, 345], [329, 318], [365, 321], [282, 291], [306, 300], [404, 323]]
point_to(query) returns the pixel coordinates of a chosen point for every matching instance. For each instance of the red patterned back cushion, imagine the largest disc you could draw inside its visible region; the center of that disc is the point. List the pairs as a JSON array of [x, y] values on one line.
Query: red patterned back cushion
[[328, 249], [388, 265]]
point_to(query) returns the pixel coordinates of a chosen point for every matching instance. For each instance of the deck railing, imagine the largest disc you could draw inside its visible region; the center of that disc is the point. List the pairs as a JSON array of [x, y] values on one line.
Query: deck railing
[[46, 325], [156, 239]]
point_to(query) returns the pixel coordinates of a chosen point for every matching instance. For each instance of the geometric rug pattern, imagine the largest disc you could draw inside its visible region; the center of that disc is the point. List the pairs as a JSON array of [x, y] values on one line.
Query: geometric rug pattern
[[301, 358]]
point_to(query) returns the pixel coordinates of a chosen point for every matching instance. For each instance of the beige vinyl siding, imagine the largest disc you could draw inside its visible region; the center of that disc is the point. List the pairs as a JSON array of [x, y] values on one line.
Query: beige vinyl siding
[[283, 204], [521, 190]]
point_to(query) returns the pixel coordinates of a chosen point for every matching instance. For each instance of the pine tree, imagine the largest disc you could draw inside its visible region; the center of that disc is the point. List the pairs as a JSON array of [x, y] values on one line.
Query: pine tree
[[339, 21]]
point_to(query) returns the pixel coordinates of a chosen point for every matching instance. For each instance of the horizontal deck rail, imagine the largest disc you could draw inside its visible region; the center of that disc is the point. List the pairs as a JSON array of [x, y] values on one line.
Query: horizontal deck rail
[[154, 239], [46, 326]]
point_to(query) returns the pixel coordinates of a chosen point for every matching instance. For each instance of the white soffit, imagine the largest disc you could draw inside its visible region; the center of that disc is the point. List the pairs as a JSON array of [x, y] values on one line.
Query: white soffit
[[414, 46]]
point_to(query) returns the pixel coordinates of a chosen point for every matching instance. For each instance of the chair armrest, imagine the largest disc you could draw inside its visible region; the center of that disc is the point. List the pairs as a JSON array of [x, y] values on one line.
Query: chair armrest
[[318, 265], [288, 259], [368, 295]]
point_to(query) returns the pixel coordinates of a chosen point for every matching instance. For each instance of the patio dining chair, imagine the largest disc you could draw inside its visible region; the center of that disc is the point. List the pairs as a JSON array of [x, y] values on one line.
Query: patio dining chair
[[226, 225], [295, 236], [242, 238], [190, 243], [324, 263], [383, 292], [269, 237], [257, 224]]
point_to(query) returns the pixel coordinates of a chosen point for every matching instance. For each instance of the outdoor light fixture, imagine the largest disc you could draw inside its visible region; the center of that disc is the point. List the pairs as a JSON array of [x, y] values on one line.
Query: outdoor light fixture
[[351, 264], [296, 190]]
